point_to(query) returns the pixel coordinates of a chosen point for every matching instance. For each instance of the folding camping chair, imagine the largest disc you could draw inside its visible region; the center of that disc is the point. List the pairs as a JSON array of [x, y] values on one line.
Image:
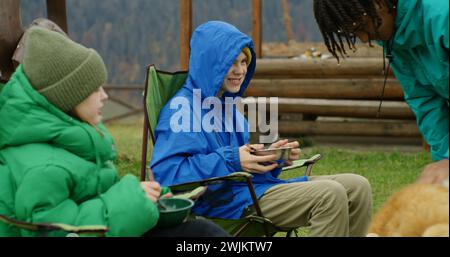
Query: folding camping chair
[[160, 86]]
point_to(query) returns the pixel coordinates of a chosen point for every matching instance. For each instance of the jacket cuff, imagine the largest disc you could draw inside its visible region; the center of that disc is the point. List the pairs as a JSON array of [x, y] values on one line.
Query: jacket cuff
[[235, 159], [128, 211], [230, 154]]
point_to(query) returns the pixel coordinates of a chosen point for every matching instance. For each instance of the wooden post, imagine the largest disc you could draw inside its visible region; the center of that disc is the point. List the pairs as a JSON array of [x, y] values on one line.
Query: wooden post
[[185, 32], [257, 26], [56, 12], [10, 33], [287, 20], [425, 145]]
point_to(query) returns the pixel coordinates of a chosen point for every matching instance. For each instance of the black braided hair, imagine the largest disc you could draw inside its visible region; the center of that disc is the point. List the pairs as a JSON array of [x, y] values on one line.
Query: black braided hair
[[336, 18]]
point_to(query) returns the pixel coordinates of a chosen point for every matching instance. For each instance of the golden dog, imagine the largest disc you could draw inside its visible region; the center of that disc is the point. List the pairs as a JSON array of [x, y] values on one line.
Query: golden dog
[[416, 210]]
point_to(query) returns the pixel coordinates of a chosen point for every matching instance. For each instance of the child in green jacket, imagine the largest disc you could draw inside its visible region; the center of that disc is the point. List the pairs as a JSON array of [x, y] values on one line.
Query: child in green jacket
[[414, 34], [56, 158]]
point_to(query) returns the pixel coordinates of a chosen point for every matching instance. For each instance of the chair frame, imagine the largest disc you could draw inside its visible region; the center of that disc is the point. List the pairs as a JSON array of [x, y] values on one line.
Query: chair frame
[[43, 229], [146, 172]]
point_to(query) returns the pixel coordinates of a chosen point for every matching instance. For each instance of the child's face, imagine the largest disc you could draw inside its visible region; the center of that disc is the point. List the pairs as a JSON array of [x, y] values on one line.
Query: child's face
[[89, 110], [236, 75], [367, 31]]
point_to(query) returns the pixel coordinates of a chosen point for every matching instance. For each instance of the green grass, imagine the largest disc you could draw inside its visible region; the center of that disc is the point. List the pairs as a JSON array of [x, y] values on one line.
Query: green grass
[[128, 141], [387, 171]]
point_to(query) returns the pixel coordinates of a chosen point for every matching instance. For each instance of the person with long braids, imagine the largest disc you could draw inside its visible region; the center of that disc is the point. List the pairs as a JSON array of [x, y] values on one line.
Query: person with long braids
[[414, 36]]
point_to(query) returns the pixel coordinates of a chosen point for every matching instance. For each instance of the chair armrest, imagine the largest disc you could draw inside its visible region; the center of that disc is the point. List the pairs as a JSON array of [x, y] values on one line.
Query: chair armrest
[[235, 176], [194, 194], [48, 227], [304, 162]]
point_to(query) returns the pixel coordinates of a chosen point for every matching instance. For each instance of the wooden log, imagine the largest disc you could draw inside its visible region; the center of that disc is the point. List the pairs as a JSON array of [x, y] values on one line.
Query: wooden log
[[384, 129], [342, 108], [346, 108], [185, 32], [325, 88], [56, 12], [327, 68], [257, 26], [10, 32]]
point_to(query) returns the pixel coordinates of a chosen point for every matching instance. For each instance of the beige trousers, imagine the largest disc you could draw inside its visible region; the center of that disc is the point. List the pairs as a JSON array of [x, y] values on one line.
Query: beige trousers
[[337, 205]]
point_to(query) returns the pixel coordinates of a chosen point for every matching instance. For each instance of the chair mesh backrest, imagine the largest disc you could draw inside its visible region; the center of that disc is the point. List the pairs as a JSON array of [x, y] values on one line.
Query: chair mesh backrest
[[161, 86]]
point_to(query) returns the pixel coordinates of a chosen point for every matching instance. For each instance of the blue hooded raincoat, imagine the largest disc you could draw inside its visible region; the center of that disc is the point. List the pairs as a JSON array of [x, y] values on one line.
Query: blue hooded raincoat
[[191, 156], [420, 63]]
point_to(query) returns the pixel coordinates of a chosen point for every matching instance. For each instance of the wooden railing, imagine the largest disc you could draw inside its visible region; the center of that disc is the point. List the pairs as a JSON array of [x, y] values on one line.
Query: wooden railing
[[131, 109]]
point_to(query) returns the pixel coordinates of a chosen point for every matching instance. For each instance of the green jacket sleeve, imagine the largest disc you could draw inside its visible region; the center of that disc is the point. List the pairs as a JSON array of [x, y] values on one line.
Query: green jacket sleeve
[[165, 190], [432, 115], [45, 196]]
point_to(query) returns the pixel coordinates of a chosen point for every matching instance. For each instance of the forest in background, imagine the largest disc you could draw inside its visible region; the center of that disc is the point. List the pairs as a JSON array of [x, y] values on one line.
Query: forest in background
[[129, 34]]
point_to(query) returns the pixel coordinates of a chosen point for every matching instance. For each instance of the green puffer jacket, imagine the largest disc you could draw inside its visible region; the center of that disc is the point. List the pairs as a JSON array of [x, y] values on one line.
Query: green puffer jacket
[[54, 168], [420, 63]]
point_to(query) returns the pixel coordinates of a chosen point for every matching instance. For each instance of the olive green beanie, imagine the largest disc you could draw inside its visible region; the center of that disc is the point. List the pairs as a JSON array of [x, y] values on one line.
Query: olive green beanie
[[64, 72]]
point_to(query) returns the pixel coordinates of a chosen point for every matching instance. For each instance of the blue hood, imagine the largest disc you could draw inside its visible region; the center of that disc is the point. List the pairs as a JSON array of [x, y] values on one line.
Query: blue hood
[[212, 41]]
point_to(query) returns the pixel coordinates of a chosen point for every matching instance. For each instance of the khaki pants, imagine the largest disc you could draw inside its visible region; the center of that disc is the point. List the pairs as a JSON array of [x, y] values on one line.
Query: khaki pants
[[337, 205]]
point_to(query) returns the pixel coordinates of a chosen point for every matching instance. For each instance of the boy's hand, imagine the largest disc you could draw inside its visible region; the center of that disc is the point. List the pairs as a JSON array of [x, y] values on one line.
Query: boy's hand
[[152, 190], [295, 152], [250, 162]]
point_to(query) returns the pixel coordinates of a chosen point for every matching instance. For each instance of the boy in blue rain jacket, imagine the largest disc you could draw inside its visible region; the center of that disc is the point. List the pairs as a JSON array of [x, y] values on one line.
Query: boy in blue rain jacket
[[188, 148]]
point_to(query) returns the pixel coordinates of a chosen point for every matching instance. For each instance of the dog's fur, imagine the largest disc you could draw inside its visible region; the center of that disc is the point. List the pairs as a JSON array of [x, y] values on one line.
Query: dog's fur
[[416, 210]]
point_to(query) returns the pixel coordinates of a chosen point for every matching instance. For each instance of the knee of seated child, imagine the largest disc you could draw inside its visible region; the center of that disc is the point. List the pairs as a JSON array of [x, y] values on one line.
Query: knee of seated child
[[355, 181], [334, 191]]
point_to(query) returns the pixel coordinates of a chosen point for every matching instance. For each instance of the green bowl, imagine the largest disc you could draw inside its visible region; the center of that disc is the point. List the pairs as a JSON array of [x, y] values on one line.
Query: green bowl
[[173, 211]]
